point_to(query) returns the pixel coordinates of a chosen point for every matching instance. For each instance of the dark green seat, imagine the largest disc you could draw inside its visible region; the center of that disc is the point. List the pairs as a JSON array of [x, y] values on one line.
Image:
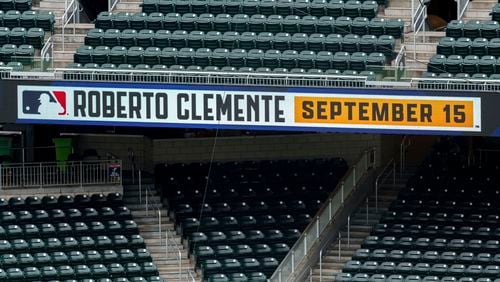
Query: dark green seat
[[32, 273], [316, 42], [257, 23], [454, 64], [161, 38], [324, 60], [127, 38], [144, 38], [117, 55], [470, 64], [237, 58], [332, 72], [254, 58], [335, 8], [166, 6], [233, 7], [182, 6], [100, 55], [301, 7], [185, 56], [341, 61], [11, 19], [272, 58], [446, 46], [281, 41], [155, 21], [196, 39], [26, 259], [489, 29], [46, 20], [317, 8], [99, 271], [375, 61], [306, 59], [264, 41], [350, 43], [218, 278], [149, 6], [273, 24], [290, 24], [369, 9], [289, 59], [343, 25], [359, 26], [250, 7], [15, 274], [197, 6], [308, 24], [137, 21], [325, 25], [111, 37], [149, 269], [222, 22], [239, 23], [267, 7], [28, 19], [4, 35], [168, 56], [205, 22], [151, 57], [299, 42], [479, 47], [487, 65], [472, 29], [216, 6], [82, 55], [463, 46], [17, 36], [368, 44], [94, 37], [7, 5], [284, 7], [394, 27], [76, 257], [333, 43], [455, 29], [202, 57], [230, 40], [357, 61], [188, 22], [212, 69], [213, 40], [120, 20], [352, 8], [178, 39], [376, 27]]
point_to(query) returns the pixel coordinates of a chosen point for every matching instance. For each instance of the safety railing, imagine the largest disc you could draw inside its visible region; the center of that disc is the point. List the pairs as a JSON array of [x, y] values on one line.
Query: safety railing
[[112, 4], [47, 54], [327, 213], [70, 14], [403, 149], [461, 8], [418, 18], [165, 236], [400, 62], [55, 174], [388, 172]]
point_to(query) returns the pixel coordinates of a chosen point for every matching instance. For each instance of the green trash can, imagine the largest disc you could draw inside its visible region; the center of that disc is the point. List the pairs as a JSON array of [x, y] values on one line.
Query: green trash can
[[64, 147], [6, 147]]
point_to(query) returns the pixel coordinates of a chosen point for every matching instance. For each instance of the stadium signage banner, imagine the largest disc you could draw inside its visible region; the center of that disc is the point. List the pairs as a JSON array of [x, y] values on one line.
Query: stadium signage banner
[[247, 108]]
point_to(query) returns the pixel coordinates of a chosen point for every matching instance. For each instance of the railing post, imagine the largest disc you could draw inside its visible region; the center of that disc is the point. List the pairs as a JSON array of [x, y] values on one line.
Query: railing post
[[354, 176], [340, 248], [342, 191], [321, 265], [376, 195], [330, 209], [81, 175], [147, 211], [166, 244], [366, 210], [317, 227], [349, 231], [140, 185], [1, 177], [293, 261], [41, 176], [159, 225], [180, 265], [305, 243]]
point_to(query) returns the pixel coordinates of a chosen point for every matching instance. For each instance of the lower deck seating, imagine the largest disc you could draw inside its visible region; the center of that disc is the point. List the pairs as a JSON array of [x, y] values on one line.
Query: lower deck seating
[[250, 214]]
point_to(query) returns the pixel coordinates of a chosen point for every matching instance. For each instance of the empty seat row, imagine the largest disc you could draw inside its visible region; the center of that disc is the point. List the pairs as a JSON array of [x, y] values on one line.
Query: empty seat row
[[19, 35], [247, 40], [466, 207], [252, 23], [288, 236], [221, 57], [74, 257], [63, 201], [465, 81], [417, 256], [333, 8], [70, 243], [408, 268], [63, 229], [471, 64], [464, 46], [495, 12], [431, 231], [66, 272], [364, 277], [64, 215], [245, 222], [278, 250], [265, 264], [472, 29], [20, 5], [438, 244], [28, 19], [441, 218], [238, 276], [22, 53]]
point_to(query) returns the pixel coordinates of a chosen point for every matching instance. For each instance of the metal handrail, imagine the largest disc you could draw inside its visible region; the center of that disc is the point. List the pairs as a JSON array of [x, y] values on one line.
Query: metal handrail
[[69, 13], [47, 47], [418, 17], [112, 4], [461, 7], [385, 173], [403, 147], [325, 215]]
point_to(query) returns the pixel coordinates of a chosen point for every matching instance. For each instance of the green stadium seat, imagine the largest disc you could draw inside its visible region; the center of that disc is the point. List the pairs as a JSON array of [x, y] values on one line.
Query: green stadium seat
[[343, 25], [306, 59], [46, 20], [369, 9], [7, 5], [117, 55], [349, 73], [316, 42], [151, 57], [254, 58], [76, 257], [394, 27], [178, 39], [137, 21], [94, 37], [198, 7], [479, 47], [341, 61], [213, 39], [375, 61], [487, 65], [455, 29], [368, 44], [290, 24], [284, 8], [335, 8], [267, 7], [182, 6], [188, 22], [271, 59], [358, 61], [155, 21], [257, 23], [352, 8], [308, 24], [202, 57], [325, 25], [99, 271], [324, 60], [281, 41], [161, 38], [11, 19], [472, 29], [239, 23], [298, 42], [273, 24], [185, 56], [120, 20], [100, 55], [4, 35], [15, 274], [494, 47], [168, 56], [144, 38], [149, 6], [111, 37], [205, 22], [301, 7], [332, 72], [28, 19], [250, 7], [446, 46], [127, 38], [333, 43], [462, 46], [376, 27], [489, 29], [289, 59], [196, 39], [222, 22], [453, 64], [359, 26], [317, 8], [237, 58], [211, 69], [350, 43], [216, 7], [230, 40], [233, 7]]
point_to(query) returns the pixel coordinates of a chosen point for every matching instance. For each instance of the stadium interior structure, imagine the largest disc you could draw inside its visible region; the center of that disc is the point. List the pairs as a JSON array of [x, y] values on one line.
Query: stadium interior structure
[[249, 140]]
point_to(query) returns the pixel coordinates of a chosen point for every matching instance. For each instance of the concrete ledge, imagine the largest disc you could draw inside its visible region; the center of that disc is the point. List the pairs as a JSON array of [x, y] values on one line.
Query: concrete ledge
[[61, 190]]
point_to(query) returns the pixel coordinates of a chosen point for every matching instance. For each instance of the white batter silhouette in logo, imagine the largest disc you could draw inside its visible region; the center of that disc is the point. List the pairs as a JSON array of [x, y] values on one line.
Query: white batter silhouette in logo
[[48, 107]]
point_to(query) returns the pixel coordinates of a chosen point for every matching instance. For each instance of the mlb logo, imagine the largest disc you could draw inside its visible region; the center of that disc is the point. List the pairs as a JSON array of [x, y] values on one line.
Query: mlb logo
[[44, 103]]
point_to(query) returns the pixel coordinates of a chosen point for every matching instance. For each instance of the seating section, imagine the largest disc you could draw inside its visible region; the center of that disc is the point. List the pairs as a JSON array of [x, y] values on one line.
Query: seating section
[[444, 226], [282, 36], [19, 5], [471, 48], [251, 214], [64, 238]]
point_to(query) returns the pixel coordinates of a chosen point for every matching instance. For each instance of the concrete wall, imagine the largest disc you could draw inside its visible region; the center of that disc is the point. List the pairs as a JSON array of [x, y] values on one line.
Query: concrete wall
[[149, 152]]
